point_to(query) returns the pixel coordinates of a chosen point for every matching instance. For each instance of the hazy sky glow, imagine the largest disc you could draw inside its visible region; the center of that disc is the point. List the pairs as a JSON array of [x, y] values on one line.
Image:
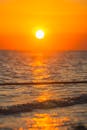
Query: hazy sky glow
[[64, 23]]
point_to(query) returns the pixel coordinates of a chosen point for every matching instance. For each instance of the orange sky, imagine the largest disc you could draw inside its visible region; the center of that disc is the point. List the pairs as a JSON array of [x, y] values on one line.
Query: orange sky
[[64, 22]]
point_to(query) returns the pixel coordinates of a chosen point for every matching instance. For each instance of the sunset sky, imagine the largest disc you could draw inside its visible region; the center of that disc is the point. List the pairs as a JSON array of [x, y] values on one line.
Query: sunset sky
[[64, 23]]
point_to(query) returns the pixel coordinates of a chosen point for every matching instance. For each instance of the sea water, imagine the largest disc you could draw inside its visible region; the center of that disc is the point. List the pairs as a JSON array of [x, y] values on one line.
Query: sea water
[[42, 106]]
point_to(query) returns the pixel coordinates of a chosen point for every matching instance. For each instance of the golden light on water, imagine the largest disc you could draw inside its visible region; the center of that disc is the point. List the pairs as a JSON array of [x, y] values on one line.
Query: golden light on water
[[45, 122], [39, 71]]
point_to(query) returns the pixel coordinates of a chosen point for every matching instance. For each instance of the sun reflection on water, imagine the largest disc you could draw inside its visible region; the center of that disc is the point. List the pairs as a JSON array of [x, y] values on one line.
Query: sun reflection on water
[[45, 122], [44, 96], [40, 71]]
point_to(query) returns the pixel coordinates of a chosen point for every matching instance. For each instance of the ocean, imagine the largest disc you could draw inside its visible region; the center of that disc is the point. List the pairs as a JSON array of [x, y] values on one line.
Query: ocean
[[42, 106]]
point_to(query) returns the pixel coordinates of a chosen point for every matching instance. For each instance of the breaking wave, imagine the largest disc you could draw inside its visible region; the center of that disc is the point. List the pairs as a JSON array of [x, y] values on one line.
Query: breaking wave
[[49, 104]]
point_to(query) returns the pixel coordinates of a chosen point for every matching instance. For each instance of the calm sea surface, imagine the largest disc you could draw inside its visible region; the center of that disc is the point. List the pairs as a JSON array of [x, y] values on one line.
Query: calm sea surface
[[42, 107]]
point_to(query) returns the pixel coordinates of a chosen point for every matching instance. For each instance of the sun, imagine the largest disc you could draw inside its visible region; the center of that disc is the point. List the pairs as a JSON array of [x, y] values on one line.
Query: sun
[[40, 34]]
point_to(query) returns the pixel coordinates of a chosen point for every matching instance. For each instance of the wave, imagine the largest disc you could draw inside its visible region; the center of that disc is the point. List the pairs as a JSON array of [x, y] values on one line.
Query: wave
[[49, 104], [45, 83]]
